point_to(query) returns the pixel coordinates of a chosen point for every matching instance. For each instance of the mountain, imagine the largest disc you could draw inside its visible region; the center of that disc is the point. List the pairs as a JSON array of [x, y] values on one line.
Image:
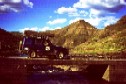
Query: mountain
[[110, 40], [74, 34], [114, 28]]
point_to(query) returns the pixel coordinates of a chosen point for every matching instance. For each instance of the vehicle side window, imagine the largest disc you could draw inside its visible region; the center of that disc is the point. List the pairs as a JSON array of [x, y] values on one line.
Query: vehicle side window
[[27, 41], [38, 42]]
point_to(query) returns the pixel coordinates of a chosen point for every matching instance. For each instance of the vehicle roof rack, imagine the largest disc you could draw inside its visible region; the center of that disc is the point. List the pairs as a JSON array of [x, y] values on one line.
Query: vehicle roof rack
[[30, 33]]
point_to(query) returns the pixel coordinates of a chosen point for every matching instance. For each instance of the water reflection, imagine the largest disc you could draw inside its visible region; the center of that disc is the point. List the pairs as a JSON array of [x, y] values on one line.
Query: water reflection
[[51, 78], [62, 78]]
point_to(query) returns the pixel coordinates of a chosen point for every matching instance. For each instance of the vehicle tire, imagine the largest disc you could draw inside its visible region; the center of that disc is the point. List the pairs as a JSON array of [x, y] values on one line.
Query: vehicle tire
[[60, 55], [32, 54]]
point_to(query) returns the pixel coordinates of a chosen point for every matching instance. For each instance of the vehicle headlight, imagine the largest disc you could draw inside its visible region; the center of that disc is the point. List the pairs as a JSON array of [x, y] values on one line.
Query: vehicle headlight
[[47, 48], [26, 48]]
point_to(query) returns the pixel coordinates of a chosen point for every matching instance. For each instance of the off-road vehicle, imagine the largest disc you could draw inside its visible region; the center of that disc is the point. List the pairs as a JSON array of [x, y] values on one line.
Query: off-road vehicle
[[41, 46]]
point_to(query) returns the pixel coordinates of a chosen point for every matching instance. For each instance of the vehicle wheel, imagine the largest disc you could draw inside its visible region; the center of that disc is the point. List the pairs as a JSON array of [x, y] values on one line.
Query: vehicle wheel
[[60, 55], [32, 54]]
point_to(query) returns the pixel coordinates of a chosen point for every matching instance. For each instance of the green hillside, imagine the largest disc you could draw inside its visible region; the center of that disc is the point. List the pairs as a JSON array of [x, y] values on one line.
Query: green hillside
[[109, 41]]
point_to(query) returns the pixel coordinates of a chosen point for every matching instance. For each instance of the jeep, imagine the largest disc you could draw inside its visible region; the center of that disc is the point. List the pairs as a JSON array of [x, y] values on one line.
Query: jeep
[[41, 46]]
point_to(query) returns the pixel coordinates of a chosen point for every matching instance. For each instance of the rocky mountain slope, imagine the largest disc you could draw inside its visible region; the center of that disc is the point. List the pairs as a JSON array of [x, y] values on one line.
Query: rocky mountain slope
[[74, 34], [111, 40]]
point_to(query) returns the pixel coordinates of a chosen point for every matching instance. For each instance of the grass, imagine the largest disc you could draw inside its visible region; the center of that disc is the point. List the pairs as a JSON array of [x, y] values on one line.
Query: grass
[[104, 46]]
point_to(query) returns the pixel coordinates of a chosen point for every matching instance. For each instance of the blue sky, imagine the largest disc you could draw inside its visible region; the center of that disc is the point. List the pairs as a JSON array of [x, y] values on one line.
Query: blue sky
[[42, 15]]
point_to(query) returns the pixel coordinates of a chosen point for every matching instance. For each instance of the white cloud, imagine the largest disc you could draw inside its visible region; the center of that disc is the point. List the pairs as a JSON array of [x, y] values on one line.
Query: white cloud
[[83, 12], [14, 5], [71, 11], [1, 0], [48, 28], [56, 28], [28, 3], [94, 11], [79, 13], [103, 6], [57, 21], [94, 21], [95, 7], [15, 1], [98, 3], [81, 4], [123, 2], [110, 20], [63, 10], [28, 28], [76, 14], [15, 10], [45, 28], [4, 7], [103, 21]]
